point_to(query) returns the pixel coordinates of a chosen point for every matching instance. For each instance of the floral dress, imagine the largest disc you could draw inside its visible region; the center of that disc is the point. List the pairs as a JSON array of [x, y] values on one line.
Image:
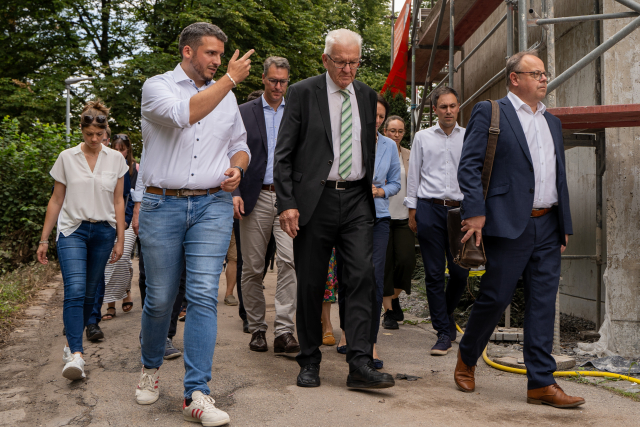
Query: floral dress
[[331, 286]]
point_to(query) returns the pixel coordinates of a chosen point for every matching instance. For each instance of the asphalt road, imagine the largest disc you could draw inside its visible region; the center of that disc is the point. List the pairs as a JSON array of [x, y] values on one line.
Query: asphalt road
[[258, 389]]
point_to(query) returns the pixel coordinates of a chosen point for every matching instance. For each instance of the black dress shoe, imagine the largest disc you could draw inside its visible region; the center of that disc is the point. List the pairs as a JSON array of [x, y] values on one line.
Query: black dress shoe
[[389, 322], [258, 341], [94, 333], [398, 314], [309, 375], [245, 326], [367, 377], [286, 343]]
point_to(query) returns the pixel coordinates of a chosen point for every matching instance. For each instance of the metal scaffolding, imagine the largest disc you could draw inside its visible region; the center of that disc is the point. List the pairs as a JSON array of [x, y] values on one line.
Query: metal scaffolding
[[525, 18]]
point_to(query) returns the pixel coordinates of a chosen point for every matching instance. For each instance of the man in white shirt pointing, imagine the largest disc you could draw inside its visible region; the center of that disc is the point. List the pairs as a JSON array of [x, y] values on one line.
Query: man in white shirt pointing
[[432, 189], [194, 156]]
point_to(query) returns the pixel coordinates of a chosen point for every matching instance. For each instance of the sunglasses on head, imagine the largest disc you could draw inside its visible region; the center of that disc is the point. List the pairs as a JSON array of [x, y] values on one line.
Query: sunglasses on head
[[88, 119], [121, 136]]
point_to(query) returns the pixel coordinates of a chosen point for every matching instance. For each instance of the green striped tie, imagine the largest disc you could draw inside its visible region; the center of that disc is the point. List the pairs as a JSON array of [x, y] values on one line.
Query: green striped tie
[[345, 136]]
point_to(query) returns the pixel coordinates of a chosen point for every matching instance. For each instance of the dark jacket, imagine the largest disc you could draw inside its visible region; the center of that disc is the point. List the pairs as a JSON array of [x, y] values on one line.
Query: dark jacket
[[304, 151], [512, 185], [249, 189]]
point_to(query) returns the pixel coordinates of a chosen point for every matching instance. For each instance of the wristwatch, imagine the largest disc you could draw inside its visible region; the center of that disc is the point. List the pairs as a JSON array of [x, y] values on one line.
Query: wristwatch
[[241, 171]]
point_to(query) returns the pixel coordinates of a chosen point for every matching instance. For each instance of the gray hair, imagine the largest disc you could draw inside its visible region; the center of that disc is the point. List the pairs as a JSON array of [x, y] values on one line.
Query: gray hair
[[192, 35], [343, 37], [443, 90], [278, 61], [513, 63]]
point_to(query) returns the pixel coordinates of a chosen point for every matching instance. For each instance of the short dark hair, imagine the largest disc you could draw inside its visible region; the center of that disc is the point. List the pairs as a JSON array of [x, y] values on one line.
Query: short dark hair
[[513, 62], [278, 61], [255, 95], [443, 90], [385, 104], [192, 35]]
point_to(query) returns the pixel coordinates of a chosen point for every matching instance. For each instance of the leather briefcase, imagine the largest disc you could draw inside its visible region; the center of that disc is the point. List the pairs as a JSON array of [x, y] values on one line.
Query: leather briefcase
[[467, 255]]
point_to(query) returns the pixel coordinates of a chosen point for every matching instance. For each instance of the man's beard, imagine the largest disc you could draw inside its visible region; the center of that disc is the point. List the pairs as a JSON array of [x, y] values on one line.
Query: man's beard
[[200, 70]]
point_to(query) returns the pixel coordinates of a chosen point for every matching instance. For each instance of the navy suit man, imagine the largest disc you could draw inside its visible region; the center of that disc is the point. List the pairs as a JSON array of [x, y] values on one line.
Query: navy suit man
[[255, 206], [525, 223]]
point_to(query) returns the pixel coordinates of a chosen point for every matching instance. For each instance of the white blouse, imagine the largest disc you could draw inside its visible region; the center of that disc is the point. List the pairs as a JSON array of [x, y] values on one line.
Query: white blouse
[[396, 207], [89, 195]]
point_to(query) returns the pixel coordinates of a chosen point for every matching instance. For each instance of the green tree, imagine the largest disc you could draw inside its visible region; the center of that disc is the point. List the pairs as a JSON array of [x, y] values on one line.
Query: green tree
[[25, 162]]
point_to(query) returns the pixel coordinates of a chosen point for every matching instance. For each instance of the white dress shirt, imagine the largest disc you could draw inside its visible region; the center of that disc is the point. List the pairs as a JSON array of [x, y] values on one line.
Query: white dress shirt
[[335, 114], [433, 166], [542, 150], [89, 195], [177, 154]]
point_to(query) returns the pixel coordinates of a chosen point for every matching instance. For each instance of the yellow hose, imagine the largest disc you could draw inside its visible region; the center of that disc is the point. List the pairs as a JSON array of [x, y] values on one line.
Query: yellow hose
[[555, 374]]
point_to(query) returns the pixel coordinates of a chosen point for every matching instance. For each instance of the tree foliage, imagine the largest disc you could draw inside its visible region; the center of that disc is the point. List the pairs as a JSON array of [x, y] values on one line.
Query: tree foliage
[[25, 161], [122, 43]]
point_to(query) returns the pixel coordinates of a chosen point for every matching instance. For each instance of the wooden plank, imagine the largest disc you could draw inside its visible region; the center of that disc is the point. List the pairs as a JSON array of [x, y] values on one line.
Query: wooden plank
[[598, 116]]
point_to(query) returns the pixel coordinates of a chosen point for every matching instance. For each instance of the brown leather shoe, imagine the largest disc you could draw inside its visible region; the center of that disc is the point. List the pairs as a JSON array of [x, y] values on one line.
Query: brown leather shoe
[[286, 343], [554, 396], [258, 341], [464, 376]]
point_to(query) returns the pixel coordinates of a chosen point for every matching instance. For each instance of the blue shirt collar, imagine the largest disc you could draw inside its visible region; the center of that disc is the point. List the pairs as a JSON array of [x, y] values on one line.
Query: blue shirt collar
[[265, 104]]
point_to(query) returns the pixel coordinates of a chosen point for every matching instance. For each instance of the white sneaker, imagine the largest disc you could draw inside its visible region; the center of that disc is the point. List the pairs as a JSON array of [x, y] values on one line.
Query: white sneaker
[[203, 411], [74, 367], [66, 355], [147, 391]]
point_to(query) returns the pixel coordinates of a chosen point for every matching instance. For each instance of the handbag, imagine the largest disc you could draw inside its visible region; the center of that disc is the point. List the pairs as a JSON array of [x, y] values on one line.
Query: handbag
[[467, 255]]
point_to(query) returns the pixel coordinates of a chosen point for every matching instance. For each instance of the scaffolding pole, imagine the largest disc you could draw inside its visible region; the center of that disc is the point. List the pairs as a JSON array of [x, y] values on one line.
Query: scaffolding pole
[[522, 25], [452, 45], [432, 58]]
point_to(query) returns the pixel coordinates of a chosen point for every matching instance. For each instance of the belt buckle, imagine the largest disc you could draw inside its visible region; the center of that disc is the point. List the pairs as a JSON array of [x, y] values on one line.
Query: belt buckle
[[445, 202], [181, 192], [343, 188]]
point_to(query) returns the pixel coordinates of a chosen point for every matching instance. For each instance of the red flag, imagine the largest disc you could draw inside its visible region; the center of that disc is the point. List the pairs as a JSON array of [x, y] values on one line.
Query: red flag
[[397, 79]]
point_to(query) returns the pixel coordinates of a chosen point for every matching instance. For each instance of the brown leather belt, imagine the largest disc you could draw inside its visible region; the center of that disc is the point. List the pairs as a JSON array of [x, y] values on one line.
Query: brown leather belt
[[183, 192], [540, 212], [269, 187], [452, 203]]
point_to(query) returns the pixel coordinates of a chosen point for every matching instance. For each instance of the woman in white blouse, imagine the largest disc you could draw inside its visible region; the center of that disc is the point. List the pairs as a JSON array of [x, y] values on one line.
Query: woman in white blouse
[[401, 256], [88, 207]]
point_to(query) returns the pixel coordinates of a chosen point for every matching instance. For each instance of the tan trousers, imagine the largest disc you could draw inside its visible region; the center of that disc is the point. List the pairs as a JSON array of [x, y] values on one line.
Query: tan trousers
[[255, 232]]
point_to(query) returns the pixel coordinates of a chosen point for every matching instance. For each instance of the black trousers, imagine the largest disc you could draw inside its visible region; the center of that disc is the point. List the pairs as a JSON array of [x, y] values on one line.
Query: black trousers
[[236, 231], [342, 219], [536, 256]]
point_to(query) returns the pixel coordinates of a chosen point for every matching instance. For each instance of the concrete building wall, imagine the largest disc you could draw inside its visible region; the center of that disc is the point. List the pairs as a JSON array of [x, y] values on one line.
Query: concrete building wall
[[573, 41], [621, 85]]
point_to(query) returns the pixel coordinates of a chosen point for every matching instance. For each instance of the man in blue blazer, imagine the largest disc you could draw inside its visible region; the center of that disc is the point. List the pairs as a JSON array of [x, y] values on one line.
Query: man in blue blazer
[[525, 223], [255, 206]]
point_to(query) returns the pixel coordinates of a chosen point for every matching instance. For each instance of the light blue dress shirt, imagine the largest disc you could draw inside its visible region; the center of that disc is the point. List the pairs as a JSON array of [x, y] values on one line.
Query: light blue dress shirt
[[272, 119], [386, 174]]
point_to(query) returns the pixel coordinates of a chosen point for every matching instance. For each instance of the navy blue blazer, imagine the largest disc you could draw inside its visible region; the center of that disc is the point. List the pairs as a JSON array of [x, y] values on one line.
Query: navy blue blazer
[[250, 186], [512, 185]]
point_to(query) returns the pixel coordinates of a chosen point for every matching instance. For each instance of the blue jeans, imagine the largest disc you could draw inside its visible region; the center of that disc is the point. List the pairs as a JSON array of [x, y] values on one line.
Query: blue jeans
[[175, 230], [83, 256], [96, 313]]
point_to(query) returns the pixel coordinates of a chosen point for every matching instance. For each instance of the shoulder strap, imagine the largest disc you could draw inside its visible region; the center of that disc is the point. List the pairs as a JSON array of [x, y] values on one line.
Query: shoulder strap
[[494, 131]]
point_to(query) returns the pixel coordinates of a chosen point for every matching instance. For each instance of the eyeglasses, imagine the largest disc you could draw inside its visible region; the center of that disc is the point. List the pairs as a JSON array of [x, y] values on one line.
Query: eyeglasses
[[537, 75], [88, 119], [395, 132], [342, 64], [121, 136], [274, 82]]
